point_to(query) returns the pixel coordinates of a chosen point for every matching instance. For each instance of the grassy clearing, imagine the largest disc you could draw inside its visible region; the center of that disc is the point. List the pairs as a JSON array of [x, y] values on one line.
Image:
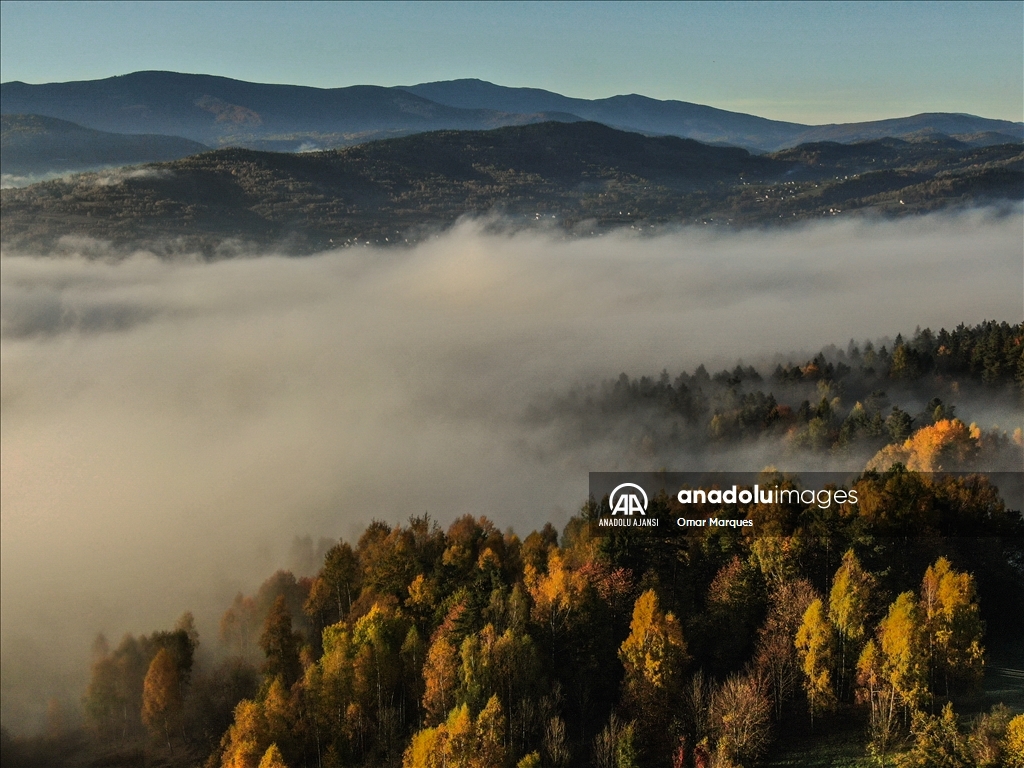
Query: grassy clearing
[[827, 751], [841, 742], [1004, 685], [838, 743]]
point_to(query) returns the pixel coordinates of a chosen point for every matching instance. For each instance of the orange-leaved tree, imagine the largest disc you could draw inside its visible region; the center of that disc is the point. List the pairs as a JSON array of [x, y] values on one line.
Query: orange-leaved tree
[[161, 695]]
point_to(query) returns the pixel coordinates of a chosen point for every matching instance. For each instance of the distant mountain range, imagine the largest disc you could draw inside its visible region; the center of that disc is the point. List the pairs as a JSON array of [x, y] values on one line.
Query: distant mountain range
[[583, 176], [219, 112], [707, 124]]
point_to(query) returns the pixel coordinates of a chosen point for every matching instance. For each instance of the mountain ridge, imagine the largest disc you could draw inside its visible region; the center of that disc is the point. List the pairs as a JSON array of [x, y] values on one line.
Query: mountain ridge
[[221, 111], [475, 93], [671, 117]]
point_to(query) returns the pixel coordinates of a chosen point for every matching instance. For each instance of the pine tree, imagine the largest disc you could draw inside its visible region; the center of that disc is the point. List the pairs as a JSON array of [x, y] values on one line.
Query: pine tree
[[280, 644]]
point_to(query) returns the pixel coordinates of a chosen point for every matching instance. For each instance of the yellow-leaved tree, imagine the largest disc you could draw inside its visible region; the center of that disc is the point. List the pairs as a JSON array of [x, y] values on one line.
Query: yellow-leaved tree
[[277, 713], [329, 688], [440, 677], [272, 758], [556, 594], [815, 644], [1014, 747], [462, 741], [952, 625], [904, 660], [654, 657], [874, 690], [848, 612], [246, 741]]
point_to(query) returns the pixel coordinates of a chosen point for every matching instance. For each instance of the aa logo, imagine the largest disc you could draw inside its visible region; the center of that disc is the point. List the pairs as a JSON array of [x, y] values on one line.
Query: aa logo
[[627, 499]]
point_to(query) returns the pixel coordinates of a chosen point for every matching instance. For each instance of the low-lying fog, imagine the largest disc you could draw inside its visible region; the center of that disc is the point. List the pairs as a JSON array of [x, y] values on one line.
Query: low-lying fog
[[169, 428]]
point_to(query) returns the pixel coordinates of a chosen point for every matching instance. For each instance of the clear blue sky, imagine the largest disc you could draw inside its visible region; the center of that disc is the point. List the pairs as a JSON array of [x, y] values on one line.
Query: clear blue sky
[[808, 62]]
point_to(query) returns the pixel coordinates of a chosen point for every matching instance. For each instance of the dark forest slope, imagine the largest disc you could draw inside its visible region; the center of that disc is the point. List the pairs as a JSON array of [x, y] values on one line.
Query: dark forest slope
[[582, 175], [35, 144]]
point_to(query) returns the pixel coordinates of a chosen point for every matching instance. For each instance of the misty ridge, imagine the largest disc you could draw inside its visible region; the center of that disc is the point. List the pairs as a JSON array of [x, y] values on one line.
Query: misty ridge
[[39, 146], [585, 178], [189, 419]]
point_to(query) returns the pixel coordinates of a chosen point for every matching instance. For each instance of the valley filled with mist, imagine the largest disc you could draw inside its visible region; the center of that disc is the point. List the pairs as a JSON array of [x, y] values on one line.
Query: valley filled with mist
[[176, 430]]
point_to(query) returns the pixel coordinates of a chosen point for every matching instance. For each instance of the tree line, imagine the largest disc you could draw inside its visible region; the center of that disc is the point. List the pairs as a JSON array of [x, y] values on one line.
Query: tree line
[[422, 647], [842, 404]]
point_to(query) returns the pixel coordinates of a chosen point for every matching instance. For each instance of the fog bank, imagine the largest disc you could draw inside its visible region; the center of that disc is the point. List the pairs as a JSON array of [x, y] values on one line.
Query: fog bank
[[169, 428]]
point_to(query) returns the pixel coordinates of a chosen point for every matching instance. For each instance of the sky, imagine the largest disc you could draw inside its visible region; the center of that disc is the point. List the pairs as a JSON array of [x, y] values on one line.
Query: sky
[[805, 62]]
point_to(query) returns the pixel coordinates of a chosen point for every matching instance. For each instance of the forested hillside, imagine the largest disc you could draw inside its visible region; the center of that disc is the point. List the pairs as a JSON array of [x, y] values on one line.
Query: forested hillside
[[860, 404], [418, 645], [582, 177], [33, 144]]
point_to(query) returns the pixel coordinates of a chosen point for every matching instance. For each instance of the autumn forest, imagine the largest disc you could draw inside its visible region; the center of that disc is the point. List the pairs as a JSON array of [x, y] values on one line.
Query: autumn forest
[[881, 627]]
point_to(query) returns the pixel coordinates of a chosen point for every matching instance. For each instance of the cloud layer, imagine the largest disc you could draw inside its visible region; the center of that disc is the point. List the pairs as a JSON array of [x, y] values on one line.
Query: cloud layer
[[168, 428]]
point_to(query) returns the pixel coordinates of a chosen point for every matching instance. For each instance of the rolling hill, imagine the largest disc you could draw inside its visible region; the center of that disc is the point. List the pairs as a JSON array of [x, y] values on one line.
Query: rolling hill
[[33, 144], [582, 176]]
